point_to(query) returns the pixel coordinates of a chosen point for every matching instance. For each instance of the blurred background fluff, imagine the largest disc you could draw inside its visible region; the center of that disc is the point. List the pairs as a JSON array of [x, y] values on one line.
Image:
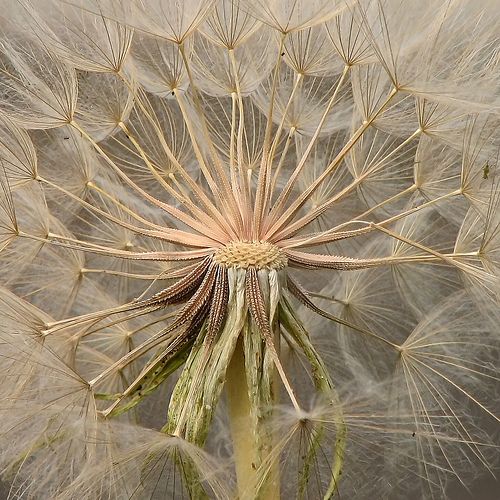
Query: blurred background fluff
[[249, 248]]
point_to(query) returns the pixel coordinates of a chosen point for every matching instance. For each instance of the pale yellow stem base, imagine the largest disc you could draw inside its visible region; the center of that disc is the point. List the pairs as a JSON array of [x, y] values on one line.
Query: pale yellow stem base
[[244, 435]]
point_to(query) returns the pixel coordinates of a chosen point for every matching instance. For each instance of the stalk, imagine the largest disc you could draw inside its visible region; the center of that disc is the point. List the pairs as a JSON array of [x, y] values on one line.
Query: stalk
[[241, 424], [250, 399]]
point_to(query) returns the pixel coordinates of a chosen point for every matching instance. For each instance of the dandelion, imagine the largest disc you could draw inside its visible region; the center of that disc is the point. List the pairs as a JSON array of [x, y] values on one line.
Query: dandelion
[[249, 249]]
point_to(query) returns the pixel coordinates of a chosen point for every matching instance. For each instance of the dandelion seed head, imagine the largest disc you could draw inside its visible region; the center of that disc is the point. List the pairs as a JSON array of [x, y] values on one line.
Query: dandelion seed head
[[248, 248]]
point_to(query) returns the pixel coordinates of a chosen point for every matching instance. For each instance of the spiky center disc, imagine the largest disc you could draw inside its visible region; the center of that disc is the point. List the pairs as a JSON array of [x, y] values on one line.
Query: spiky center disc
[[244, 254]]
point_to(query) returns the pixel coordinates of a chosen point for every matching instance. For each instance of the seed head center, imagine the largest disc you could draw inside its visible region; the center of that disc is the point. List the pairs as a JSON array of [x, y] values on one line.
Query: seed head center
[[244, 254]]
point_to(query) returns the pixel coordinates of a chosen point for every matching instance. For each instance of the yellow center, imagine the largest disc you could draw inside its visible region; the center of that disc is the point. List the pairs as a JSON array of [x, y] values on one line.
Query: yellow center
[[243, 254]]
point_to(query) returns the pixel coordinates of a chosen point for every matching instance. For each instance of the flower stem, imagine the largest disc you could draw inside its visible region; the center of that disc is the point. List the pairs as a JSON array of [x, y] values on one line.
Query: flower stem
[[245, 430]]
